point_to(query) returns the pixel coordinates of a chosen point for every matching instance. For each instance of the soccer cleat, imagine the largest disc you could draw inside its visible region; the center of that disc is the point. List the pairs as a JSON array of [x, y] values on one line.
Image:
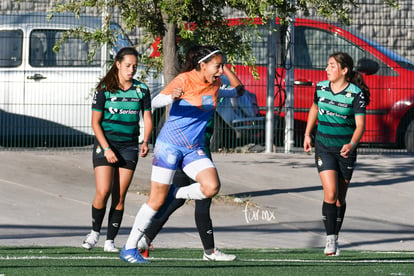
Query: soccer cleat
[[217, 255], [91, 240], [144, 253], [338, 252], [331, 245], [131, 256], [110, 246], [143, 247]]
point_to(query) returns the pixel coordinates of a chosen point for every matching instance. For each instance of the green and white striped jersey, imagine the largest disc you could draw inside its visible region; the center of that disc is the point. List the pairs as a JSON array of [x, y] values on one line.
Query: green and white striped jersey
[[121, 112], [336, 113]]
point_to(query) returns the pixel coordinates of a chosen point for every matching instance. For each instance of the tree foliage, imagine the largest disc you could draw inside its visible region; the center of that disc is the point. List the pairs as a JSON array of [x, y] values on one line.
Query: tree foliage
[[181, 23]]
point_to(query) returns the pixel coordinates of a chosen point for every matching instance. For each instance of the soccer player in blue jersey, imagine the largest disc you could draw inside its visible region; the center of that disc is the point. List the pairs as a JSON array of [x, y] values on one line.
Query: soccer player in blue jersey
[[181, 141], [232, 87], [118, 101], [339, 107]]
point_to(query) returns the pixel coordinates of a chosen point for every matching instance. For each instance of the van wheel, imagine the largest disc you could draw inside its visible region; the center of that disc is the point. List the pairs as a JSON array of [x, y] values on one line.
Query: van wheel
[[409, 137]]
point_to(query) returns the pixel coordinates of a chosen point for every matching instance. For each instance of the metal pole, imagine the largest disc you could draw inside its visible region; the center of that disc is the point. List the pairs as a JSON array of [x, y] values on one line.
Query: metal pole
[[289, 102], [270, 85], [104, 55]]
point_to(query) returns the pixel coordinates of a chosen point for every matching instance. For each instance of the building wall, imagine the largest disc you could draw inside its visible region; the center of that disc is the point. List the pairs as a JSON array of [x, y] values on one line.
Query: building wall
[[393, 28]]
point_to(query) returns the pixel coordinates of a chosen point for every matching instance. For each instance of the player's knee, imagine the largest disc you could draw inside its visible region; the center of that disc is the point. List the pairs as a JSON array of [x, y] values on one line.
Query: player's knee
[[155, 201], [330, 197], [155, 204], [210, 190], [101, 195]]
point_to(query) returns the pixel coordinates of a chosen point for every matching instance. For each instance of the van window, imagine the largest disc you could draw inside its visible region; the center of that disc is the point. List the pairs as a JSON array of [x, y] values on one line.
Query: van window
[[72, 53], [11, 42]]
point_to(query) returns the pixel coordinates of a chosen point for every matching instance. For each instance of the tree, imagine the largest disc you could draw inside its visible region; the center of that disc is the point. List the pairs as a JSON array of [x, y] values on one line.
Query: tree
[[180, 23]]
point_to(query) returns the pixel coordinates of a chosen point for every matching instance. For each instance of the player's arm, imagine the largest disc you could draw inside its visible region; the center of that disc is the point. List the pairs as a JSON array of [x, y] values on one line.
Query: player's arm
[[234, 80], [147, 132], [171, 92], [312, 117]]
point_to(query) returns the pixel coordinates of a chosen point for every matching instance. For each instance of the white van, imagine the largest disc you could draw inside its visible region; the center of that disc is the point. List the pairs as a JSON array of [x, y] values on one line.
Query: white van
[[45, 96]]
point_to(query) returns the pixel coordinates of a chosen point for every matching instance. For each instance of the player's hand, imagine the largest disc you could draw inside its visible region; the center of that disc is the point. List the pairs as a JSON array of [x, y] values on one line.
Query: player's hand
[[177, 93], [346, 150], [110, 156], [144, 149], [307, 143]]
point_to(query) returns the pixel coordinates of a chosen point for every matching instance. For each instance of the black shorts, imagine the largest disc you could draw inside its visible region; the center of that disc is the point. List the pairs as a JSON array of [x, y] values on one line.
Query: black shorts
[[329, 160], [127, 156]]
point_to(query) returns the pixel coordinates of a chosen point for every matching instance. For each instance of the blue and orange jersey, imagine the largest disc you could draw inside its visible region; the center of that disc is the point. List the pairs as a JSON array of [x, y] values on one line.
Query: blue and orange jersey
[[189, 115]]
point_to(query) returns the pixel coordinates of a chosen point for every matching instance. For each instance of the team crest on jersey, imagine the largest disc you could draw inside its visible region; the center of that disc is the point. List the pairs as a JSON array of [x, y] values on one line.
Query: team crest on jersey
[[320, 163], [348, 95]]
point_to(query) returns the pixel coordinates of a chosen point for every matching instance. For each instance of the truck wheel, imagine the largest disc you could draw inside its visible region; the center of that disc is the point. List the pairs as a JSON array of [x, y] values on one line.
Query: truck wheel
[[409, 137]]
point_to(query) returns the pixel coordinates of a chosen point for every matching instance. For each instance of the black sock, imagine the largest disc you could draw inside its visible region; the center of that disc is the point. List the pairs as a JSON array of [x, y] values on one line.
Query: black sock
[[97, 218], [114, 223], [170, 205], [204, 224], [340, 218], [162, 216], [329, 214]]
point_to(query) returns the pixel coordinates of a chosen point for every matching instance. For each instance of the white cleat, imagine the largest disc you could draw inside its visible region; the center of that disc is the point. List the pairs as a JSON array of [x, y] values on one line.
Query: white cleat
[[331, 245], [110, 246], [217, 255], [91, 240]]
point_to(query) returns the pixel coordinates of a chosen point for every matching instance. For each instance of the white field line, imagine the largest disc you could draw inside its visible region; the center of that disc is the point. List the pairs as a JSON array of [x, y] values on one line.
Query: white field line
[[330, 260]]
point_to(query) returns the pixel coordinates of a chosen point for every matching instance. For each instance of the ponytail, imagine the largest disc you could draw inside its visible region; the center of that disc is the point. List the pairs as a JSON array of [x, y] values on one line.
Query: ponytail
[[357, 79]]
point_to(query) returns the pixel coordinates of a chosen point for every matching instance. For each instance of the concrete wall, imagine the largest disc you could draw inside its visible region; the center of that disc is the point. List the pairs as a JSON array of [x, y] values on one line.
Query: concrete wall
[[390, 27]]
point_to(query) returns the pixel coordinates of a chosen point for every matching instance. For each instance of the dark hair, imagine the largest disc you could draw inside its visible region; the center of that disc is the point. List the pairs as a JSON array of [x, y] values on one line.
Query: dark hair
[[197, 54], [352, 76], [110, 81]]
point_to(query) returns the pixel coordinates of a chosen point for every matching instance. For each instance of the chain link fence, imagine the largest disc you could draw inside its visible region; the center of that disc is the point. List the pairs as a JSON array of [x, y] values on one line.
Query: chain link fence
[[45, 96]]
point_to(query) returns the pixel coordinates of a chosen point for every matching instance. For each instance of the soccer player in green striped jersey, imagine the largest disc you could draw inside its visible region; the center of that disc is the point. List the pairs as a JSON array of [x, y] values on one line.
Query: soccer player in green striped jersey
[[118, 101], [339, 107]]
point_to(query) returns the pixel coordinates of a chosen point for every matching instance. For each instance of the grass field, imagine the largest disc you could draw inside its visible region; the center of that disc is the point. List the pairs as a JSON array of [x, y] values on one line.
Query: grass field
[[79, 262]]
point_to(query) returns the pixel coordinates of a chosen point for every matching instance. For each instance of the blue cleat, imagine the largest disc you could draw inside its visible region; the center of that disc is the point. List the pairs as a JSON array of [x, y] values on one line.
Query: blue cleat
[[132, 256]]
